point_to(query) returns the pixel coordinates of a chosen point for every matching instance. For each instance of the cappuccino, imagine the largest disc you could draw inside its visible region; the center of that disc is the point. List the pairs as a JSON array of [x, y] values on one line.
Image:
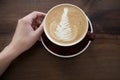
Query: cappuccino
[[65, 25]]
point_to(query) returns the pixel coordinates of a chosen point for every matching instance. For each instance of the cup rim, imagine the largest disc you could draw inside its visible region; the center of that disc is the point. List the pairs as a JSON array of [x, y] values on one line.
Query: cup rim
[[73, 55], [57, 43]]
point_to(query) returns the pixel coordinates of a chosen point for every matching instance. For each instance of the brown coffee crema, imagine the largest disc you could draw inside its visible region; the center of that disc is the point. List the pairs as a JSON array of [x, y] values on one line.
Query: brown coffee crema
[[66, 24]]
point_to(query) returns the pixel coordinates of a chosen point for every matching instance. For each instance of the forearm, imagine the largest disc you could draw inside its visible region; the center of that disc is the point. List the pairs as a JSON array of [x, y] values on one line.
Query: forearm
[[7, 56], [25, 36]]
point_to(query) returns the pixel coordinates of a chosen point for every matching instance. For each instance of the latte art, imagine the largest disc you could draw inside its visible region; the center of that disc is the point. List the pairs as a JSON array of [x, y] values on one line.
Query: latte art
[[63, 30], [65, 25]]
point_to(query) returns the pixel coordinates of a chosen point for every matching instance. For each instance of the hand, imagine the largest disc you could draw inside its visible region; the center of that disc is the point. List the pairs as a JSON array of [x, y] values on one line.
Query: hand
[[28, 31]]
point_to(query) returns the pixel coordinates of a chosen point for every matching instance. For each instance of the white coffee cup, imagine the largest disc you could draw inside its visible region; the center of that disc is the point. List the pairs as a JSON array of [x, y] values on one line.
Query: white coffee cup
[[68, 36]]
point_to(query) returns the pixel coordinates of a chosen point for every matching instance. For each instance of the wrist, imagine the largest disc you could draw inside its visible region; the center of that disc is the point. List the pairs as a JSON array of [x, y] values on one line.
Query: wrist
[[9, 53]]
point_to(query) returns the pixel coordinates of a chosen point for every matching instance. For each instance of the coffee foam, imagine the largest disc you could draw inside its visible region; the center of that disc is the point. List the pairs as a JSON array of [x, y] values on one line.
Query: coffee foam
[[65, 24]]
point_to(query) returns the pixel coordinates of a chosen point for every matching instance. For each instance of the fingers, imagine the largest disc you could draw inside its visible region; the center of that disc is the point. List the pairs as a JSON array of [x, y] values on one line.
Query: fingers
[[30, 17], [39, 30], [37, 21]]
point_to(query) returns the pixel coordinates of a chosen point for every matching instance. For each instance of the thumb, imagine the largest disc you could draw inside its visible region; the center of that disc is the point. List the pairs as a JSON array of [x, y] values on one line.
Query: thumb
[[39, 30]]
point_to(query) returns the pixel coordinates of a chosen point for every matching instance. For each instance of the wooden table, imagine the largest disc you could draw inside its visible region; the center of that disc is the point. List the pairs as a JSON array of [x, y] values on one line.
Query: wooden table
[[101, 61]]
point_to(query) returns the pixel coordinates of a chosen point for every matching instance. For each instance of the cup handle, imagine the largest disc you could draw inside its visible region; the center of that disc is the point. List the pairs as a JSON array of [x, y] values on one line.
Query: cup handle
[[90, 35]]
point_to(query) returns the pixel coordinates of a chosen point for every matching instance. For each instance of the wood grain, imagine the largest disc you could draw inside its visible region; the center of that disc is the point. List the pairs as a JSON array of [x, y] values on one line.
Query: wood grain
[[99, 62]]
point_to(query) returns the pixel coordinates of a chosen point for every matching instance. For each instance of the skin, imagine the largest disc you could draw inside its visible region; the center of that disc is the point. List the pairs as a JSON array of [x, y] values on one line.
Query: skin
[[28, 31]]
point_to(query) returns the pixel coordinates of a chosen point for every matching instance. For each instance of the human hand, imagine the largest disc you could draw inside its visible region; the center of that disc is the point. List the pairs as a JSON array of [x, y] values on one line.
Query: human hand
[[28, 31]]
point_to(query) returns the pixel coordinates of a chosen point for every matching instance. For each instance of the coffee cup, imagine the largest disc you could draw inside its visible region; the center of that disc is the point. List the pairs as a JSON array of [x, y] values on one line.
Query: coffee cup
[[66, 27]]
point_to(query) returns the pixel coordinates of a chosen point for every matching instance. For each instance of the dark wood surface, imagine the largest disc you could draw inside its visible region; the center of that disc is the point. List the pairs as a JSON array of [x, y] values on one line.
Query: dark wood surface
[[101, 61]]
